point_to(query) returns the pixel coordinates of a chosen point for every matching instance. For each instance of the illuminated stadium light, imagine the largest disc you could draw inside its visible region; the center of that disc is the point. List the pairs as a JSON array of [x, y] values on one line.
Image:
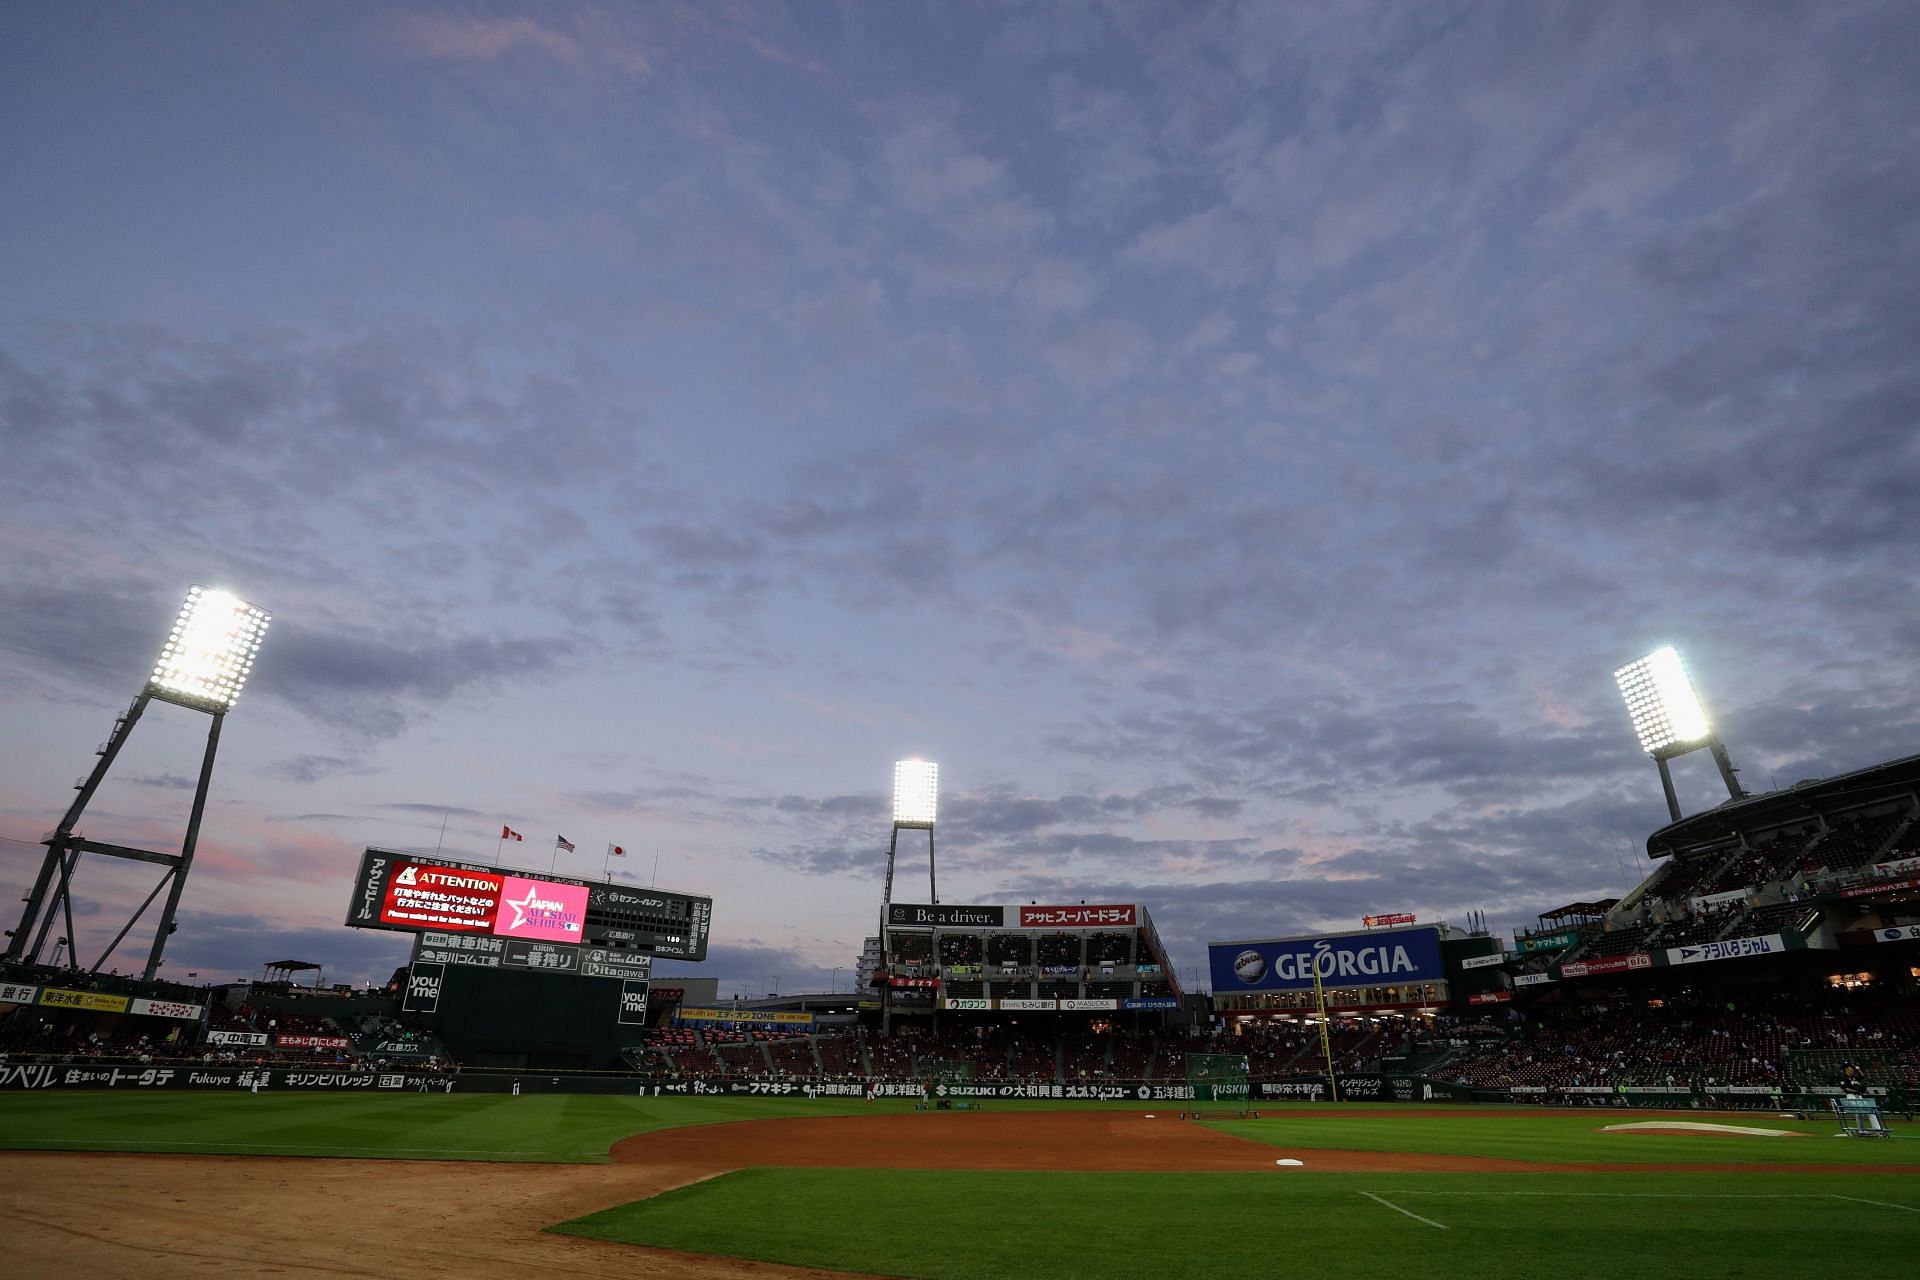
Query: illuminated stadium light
[[1660, 699], [1669, 722], [210, 651], [916, 793]]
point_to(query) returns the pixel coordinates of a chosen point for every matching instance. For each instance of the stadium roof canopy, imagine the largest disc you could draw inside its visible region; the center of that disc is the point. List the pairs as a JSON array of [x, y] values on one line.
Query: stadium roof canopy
[[283, 970], [1581, 910], [1799, 802]]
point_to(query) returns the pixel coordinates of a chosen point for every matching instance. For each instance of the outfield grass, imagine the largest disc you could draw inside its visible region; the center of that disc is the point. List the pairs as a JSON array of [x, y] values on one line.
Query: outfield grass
[[577, 1129], [1171, 1226]]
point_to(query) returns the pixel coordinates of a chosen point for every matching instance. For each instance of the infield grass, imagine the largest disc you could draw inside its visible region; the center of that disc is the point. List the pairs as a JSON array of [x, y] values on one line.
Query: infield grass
[[1576, 1137], [1204, 1226]]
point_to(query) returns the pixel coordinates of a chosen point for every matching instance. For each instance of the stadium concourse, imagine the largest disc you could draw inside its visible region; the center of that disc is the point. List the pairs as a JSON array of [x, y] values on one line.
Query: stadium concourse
[[1770, 956]]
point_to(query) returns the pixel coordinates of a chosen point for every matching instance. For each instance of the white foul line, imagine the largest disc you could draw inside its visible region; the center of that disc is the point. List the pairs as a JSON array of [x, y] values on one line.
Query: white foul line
[[1397, 1209], [1632, 1195], [1652, 1195]]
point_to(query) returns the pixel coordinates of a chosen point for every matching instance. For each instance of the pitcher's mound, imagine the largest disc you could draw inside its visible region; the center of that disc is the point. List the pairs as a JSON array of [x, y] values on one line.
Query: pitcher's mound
[[1700, 1126]]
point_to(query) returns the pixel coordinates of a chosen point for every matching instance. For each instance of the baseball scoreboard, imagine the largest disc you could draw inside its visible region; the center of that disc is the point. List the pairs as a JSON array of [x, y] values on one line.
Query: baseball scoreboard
[[527, 920]]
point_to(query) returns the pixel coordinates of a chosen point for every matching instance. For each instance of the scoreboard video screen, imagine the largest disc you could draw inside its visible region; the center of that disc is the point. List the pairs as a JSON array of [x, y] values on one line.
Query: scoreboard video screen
[[417, 893]]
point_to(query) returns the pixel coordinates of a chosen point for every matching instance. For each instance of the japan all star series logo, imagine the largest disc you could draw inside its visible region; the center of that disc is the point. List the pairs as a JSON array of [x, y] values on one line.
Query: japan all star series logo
[[539, 911]]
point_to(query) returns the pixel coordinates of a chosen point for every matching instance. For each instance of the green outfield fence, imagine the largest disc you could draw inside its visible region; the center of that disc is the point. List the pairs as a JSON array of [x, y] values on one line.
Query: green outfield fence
[[1358, 1087]]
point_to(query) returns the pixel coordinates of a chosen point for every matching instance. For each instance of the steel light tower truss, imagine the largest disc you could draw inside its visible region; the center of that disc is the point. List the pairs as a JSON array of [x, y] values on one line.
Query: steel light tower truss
[[203, 667]]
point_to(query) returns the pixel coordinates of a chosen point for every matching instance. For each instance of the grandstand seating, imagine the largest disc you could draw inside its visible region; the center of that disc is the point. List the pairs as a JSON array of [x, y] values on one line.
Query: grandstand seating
[[891, 1058], [792, 1054], [1034, 1059], [1086, 1058], [1852, 843], [1764, 862], [1615, 942], [1009, 948], [1762, 920], [1702, 926], [1684, 876], [841, 1055]]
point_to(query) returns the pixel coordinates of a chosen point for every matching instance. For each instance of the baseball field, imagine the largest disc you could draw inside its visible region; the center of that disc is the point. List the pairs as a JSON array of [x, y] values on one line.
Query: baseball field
[[428, 1186]]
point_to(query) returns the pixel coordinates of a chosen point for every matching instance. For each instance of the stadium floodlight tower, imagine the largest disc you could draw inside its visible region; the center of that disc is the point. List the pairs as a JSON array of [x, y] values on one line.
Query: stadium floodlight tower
[[203, 667], [916, 795], [1669, 720]]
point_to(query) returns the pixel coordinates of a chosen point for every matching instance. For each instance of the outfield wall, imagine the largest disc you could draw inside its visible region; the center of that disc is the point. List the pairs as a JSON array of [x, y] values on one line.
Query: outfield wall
[[36, 1077]]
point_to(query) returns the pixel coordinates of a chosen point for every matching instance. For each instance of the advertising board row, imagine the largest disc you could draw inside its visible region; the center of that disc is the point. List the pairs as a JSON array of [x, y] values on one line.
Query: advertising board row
[[412, 892], [916, 915], [1014, 1005], [1606, 964], [30, 1077], [534, 957], [1879, 887], [743, 1017], [1730, 949], [290, 1040], [99, 1002]]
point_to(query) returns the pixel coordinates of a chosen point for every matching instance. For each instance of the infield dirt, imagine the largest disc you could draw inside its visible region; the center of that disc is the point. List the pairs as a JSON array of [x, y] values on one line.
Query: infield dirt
[[164, 1216]]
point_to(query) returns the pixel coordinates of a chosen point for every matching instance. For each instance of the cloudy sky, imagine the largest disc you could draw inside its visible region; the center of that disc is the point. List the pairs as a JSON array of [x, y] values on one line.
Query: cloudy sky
[[1237, 442]]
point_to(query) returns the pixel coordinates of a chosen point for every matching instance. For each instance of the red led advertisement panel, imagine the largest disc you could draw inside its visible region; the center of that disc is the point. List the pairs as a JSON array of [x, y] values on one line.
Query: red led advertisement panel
[[1080, 917], [428, 897]]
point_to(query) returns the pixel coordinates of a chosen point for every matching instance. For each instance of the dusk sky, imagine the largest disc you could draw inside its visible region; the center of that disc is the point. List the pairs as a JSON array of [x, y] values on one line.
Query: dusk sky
[[1237, 442]]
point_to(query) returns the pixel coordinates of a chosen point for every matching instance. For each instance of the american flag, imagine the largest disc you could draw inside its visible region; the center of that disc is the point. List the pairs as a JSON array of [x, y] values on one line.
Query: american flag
[[564, 843]]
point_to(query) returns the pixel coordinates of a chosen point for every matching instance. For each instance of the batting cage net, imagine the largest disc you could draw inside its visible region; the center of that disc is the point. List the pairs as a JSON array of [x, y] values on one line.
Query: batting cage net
[[1217, 1075]]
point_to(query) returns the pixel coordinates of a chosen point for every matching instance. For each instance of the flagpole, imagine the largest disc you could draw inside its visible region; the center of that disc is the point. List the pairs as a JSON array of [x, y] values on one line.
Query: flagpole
[[496, 847], [443, 832], [655, 882], [554, 856]]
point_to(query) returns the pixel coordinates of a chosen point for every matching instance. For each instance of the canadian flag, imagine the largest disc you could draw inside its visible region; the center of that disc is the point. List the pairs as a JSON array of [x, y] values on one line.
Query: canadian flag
[[508, 833]]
